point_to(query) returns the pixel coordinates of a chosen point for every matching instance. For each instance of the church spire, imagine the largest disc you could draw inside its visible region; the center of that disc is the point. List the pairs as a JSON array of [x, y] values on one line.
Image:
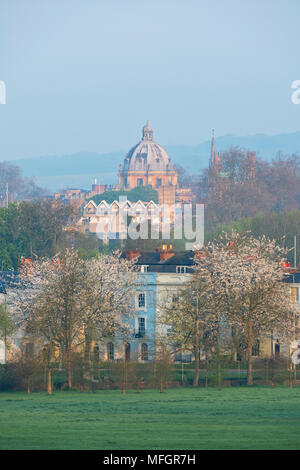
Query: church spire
[[215, 162], [213, 150]]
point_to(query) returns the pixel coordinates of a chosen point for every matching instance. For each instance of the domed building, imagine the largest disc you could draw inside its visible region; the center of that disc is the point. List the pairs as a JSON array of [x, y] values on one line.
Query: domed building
[[147, 164]]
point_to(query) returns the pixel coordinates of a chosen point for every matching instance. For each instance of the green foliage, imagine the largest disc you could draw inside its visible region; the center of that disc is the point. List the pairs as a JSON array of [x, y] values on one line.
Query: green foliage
[[36, 229], [143, 193], [30, 229], [10, 378], [282, 227], [7, 325], [10, 242], [87, 245]]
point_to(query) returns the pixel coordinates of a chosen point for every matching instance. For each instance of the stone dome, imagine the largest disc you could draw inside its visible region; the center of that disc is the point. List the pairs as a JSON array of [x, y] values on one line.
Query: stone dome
[[147, 154]]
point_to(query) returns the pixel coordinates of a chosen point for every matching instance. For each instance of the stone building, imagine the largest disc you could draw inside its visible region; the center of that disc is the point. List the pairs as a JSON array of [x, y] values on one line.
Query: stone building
[[110, 221], [147, 164], [162, 274]]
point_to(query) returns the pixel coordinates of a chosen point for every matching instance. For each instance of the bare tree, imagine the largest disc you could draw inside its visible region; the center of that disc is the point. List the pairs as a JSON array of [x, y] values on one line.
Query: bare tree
[[13, 183], [243, 184]]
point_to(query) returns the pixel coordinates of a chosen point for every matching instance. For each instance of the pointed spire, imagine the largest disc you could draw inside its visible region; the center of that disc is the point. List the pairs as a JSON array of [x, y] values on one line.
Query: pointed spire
[[213, 150]]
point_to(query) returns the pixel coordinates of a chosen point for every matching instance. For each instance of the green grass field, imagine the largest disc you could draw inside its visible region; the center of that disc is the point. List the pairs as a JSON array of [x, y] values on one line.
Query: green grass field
[[182, 418]]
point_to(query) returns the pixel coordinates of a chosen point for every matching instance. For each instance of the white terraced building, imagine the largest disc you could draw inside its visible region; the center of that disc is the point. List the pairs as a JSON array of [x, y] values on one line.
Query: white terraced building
[[111, 221]]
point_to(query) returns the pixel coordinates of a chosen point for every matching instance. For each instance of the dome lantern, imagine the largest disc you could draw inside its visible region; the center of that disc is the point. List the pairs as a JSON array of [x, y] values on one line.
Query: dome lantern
[[147, 132]]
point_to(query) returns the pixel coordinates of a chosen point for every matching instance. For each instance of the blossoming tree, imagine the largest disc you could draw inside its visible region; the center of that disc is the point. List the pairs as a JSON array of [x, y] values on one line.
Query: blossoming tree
[[249, 290], [58, 300]]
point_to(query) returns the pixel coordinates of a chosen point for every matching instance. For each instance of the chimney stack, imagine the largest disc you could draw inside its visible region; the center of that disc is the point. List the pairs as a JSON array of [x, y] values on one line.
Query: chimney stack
[[131, 254], [165, 252]]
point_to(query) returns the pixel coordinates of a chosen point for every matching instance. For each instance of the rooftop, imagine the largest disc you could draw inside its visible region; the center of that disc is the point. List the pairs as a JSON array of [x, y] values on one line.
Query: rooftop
[[164, 260]]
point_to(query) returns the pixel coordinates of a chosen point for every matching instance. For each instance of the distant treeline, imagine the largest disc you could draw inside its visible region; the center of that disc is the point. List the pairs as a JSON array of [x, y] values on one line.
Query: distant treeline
[[282, 227], [36, 229], [241, 188], [14, 186]]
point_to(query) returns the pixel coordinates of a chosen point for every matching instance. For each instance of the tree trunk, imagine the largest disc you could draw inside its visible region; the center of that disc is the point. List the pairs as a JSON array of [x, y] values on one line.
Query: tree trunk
[[196, 347], [69, 370], [250, 346], [124, 377], [87, 349], [196, 350], [28, 386], [45, 379], [49, 382], [5, 346], [290, 369], [206, 367], [197, 367], [219, 373]]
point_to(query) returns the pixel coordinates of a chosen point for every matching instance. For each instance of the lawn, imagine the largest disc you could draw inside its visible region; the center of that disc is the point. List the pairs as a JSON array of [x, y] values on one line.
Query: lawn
[[182, 418]]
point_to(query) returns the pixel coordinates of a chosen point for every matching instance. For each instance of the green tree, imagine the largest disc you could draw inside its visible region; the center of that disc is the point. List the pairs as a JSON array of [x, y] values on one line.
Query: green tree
[[7, 326], [143, 193]]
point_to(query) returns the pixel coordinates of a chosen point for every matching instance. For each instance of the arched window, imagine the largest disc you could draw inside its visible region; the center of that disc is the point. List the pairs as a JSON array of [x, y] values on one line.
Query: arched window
[[110, 351], [127, 352], [144, 354]]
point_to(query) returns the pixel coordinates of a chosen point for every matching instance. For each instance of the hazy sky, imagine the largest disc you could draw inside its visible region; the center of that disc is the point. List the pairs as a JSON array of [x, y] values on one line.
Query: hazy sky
[[86, 74]]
